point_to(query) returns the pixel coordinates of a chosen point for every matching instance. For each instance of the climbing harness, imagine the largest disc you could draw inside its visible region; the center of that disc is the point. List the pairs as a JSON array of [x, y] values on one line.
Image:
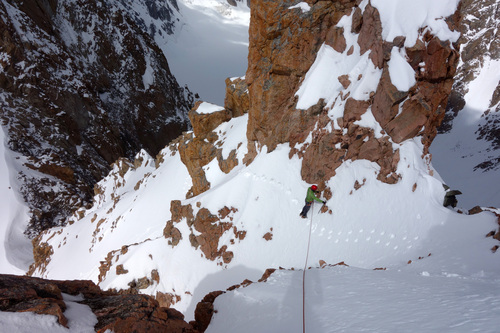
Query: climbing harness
[[304, 274]]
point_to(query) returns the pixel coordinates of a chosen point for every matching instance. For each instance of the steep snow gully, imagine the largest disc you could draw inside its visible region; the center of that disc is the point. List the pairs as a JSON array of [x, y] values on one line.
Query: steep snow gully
[[379, 257]]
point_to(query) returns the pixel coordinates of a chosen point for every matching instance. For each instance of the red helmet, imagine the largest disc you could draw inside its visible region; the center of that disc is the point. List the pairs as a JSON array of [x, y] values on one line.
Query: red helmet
[[314, 188]]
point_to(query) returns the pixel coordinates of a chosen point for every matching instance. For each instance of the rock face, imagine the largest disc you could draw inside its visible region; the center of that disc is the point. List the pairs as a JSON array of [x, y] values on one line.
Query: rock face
[[114, 312], [480, 40], [283, 46], [209, 228], [204, 310], [236, 100], [200, 147], [80, 89]]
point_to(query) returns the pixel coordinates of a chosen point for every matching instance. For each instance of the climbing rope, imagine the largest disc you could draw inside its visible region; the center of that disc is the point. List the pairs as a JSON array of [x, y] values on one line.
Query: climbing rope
[[304, 274]]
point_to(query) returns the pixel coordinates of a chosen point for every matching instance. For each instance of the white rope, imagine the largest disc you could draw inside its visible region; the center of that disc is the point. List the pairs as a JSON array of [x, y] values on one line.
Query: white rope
[[304, 275]]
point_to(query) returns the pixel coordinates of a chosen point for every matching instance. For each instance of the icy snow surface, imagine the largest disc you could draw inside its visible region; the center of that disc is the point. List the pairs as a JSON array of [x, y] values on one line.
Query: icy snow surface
[[321, 81]]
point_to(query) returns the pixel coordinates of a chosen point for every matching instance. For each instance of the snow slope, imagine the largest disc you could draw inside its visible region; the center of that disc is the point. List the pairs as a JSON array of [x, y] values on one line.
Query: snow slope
[[210, 44], [199, 23], [349, 299], [450, 285], [204, 41], [15, 249], [86, 86], [460, 151], [395, 224]]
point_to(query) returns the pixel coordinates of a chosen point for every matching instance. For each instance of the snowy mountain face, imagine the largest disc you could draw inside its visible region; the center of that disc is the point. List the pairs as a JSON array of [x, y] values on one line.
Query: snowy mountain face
[[210, 44], [467, 153], [347, 95], [83, 83]]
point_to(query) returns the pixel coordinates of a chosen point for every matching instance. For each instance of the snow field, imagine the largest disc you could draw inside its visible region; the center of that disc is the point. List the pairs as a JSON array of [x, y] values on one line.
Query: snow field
[[121, 223], [390, 230], [15, 248], [348, 299]]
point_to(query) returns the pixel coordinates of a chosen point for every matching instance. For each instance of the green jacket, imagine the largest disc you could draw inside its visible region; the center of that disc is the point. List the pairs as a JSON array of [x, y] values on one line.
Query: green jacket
[[311, 196]]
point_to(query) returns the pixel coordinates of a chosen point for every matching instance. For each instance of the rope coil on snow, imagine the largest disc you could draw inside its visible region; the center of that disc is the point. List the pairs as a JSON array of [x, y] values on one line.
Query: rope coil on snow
[[304, 274]]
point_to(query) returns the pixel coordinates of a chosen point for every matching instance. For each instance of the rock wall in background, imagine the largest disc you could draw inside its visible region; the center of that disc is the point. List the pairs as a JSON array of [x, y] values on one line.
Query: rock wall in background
[[81, 88]]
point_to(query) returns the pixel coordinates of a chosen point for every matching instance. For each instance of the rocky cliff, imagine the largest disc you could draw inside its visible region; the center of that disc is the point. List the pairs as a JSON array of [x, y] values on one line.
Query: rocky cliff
[[80, 88], [480, 46], [285, 43]]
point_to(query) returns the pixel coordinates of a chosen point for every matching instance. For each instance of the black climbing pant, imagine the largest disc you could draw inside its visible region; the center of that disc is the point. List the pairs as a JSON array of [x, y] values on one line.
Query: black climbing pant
[[306, 208]]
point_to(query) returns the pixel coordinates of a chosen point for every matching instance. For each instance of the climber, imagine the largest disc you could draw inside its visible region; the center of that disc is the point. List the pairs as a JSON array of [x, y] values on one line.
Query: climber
[[309, 200]]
